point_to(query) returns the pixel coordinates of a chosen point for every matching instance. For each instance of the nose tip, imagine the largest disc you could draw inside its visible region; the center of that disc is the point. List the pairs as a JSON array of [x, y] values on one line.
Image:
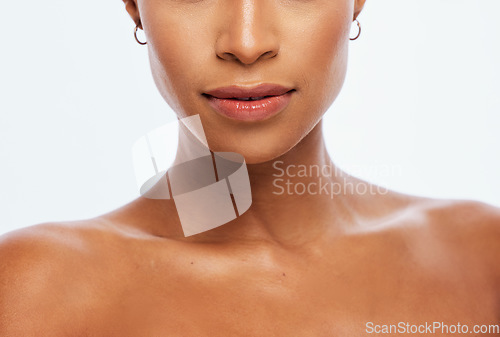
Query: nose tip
[[246, 56], [248, 35]]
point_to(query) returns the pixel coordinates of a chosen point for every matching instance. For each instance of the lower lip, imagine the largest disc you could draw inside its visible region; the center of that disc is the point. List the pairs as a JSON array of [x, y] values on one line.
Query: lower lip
[[250, 110]]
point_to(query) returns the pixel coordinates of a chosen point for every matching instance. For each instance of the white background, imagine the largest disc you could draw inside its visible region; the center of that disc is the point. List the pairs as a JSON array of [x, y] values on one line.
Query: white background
[[418, 112]]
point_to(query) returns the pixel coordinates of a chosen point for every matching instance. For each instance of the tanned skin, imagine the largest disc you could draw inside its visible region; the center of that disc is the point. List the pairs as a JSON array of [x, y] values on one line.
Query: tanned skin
[[292, 265]]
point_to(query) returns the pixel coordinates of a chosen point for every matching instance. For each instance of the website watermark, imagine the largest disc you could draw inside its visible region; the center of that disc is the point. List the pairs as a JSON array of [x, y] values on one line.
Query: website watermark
[[285, 179], [431, 328]]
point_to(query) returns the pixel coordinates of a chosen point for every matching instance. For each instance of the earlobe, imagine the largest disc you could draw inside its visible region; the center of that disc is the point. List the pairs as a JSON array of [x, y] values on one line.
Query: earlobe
[[358, 7], [133, 11]]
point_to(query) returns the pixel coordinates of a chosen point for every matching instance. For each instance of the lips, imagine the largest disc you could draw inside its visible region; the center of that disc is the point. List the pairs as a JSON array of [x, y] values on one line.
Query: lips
[[237, 92], [249, 104]]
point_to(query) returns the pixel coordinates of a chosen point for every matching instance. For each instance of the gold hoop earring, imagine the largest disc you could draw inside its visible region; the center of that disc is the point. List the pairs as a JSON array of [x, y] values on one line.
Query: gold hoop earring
[[135, 35], [359, 30]]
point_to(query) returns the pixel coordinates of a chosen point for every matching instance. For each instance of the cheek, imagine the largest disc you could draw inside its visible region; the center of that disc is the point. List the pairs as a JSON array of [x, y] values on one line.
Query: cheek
[[176, 48], [324, 58]]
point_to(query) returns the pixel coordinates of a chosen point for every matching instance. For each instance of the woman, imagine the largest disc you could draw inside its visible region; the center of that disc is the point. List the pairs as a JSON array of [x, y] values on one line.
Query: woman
[[293, 264]]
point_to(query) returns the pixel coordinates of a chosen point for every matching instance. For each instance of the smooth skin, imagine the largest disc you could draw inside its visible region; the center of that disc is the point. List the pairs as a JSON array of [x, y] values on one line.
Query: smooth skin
[[292, 265]]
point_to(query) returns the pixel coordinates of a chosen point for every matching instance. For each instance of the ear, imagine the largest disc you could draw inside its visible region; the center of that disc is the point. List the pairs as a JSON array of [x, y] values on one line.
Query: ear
[[358, 7], [133, 11]]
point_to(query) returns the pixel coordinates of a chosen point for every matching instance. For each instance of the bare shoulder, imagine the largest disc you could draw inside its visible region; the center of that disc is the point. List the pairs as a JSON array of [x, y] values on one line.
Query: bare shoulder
[[466, 232], [460, 231], [44, 277], [469, 218], [473, 224], [463, 222], [49, 244]]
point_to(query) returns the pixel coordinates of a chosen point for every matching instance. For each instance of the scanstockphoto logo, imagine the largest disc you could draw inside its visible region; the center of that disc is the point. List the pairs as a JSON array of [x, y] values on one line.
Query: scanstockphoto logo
[[208, 189], [436, 327], [315, 179]]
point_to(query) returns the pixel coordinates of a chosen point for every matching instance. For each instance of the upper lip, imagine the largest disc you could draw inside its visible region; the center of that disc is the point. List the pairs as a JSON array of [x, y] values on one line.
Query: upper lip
[[236, 91]]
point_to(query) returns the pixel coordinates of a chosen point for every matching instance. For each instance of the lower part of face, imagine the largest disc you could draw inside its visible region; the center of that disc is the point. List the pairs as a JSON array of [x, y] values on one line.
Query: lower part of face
[[199, 45]]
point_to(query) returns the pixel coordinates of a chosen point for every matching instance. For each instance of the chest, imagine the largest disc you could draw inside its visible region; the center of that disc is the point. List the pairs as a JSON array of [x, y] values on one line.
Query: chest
[[301, 299]]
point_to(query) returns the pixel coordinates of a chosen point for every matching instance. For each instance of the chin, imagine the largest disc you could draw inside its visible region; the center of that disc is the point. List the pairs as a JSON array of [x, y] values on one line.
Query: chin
[[255, 146]]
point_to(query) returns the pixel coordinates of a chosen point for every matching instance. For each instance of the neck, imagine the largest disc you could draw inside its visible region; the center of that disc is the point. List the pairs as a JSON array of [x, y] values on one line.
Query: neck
[[290, 204], [297, 199]]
